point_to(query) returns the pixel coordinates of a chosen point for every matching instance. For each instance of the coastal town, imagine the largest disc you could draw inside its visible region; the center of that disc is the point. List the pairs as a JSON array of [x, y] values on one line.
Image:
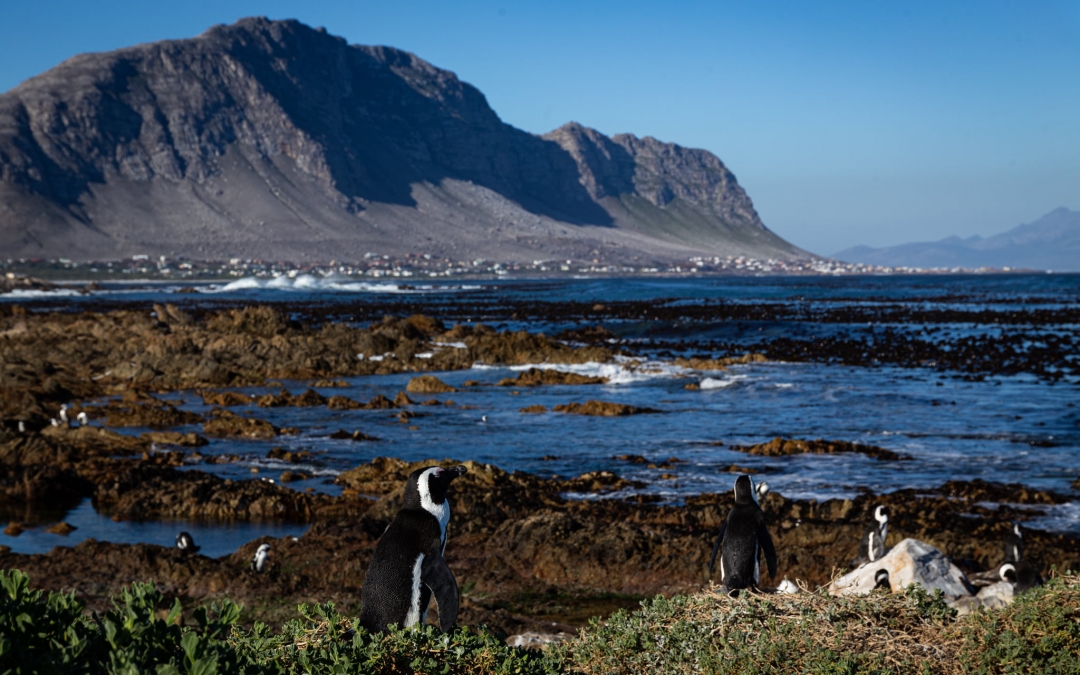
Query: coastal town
[[19, 272]]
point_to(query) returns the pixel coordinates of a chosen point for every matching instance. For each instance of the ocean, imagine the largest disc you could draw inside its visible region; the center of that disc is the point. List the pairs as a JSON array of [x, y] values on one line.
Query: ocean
[[969, 376]]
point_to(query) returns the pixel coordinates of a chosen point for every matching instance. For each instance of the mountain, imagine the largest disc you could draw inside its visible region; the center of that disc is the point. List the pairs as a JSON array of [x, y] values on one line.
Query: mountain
[[271, 139], [1050, 243]]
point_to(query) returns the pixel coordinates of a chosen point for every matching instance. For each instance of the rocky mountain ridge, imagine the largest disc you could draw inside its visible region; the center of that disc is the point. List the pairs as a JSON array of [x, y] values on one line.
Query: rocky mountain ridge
[[271, 139]]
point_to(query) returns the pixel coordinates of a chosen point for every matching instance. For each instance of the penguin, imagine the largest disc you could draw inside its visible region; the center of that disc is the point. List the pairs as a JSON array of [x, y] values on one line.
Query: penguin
[[185, 543], [872, 544], [743, 537], [22, 427], [63, 414], [408, 566], [1014, 545], [1021, 574], [787, 587], [258, 563], [83, 418], [761, 491], [881, 580]]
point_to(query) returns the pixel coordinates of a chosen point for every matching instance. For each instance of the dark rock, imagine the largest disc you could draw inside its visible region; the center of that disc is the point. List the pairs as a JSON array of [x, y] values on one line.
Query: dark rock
[[779, 447], [601, 409]]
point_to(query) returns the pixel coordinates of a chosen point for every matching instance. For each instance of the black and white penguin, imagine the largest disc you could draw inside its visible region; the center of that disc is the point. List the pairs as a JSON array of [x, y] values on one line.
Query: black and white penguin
[[63, 415], [1022, 574], [258, 563], [761, 491], [742, 538], [881, 580], [83, 418], [872, 544], [408, 565], [22, 427], [185, 543], [1014, 545]]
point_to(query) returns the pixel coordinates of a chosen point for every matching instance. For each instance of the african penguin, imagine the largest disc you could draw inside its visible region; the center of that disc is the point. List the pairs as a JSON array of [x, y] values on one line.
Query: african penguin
[[1014, 545], [1021, 574], [185, 543], [881, 580], [743, 537], [872, 544], [787, 587], [408, 564], [22, 427], [63, 414], [761, 491], [83, 418], [258, 563]]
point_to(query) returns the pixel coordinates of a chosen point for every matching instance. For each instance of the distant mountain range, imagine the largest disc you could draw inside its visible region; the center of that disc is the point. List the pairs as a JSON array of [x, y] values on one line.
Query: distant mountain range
[[274, 140], [1050, 243]]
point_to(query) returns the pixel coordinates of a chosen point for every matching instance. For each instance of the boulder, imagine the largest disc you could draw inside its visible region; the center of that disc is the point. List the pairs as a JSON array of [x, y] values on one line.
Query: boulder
[[909, 562], [428, 384], [996, 595], [601, 409]]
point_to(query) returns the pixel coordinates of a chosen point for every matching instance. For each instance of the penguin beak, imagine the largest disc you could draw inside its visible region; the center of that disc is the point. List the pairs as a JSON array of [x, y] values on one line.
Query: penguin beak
[[457, 471]]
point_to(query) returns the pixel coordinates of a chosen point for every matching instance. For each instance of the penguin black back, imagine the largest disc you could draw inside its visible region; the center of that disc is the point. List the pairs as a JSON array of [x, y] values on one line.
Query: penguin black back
[[742, 538], [408, 564]]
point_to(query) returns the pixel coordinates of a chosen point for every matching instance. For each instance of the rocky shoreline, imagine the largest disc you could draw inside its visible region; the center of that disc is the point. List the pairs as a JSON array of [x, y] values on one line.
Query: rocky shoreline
[[526, 557]]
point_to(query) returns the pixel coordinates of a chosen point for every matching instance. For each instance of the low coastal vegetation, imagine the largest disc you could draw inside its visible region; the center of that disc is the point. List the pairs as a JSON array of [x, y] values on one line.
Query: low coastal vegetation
[[909, 632]]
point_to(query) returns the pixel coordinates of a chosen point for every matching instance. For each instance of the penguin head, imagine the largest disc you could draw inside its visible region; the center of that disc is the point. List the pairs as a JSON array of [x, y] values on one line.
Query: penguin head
[[263, 549], [1007, 572], [1016, 531], [881, 579], [761, 491], [430, 485], [183, 540], [744, 490], [881, 514]]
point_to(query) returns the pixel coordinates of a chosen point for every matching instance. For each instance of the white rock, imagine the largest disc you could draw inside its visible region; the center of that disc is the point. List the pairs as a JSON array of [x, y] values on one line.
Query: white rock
[[996, 595], [532, 640], [909, 562]]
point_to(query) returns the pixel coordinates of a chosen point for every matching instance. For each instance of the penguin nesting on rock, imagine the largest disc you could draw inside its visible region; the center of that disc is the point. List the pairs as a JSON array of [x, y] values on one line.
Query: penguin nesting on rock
[[1021, 574], [185, 543], [743, 537], [408, 566], [872, 544]]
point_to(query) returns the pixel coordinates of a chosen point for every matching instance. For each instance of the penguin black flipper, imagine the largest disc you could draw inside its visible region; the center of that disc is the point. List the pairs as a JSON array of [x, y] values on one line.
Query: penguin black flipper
[[438, 577], [716, 546], [766, 544]]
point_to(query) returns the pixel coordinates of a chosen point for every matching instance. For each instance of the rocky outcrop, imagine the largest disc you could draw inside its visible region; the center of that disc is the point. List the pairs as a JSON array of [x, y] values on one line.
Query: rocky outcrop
[[231, 142], [534, 377], [601, 409], [780, 447], [428, 384]]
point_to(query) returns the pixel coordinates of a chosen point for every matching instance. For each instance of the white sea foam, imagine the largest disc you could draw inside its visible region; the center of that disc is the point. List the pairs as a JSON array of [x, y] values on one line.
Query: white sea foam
[[310, 283], [714, 383], [623, 371]]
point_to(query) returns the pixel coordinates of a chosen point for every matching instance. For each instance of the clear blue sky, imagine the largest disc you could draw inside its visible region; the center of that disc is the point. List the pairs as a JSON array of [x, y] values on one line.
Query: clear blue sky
[[848, 123]]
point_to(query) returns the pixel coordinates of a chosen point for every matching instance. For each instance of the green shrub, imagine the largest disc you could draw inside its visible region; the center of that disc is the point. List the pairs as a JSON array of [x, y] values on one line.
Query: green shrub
[[912, 632]]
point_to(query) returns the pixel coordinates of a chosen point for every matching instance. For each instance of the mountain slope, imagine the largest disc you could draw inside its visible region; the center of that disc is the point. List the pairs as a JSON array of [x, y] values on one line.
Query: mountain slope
[[1049, 243], [275, 140]]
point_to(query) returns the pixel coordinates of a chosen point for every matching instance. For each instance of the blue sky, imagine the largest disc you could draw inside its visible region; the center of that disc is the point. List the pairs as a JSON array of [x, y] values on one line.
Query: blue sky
[[846, 122]]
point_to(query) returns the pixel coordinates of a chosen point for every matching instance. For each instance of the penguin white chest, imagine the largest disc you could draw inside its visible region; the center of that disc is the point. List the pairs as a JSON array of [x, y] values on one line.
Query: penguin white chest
[[413, 616]]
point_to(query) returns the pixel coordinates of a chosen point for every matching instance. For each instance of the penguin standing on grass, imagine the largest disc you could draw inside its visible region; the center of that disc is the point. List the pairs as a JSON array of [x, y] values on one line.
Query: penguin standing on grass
[[408, 565], [742, 538]]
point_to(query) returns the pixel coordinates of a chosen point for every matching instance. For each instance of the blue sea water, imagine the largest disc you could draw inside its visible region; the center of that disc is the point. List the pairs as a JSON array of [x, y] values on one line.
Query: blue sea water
[[1008, 429]]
